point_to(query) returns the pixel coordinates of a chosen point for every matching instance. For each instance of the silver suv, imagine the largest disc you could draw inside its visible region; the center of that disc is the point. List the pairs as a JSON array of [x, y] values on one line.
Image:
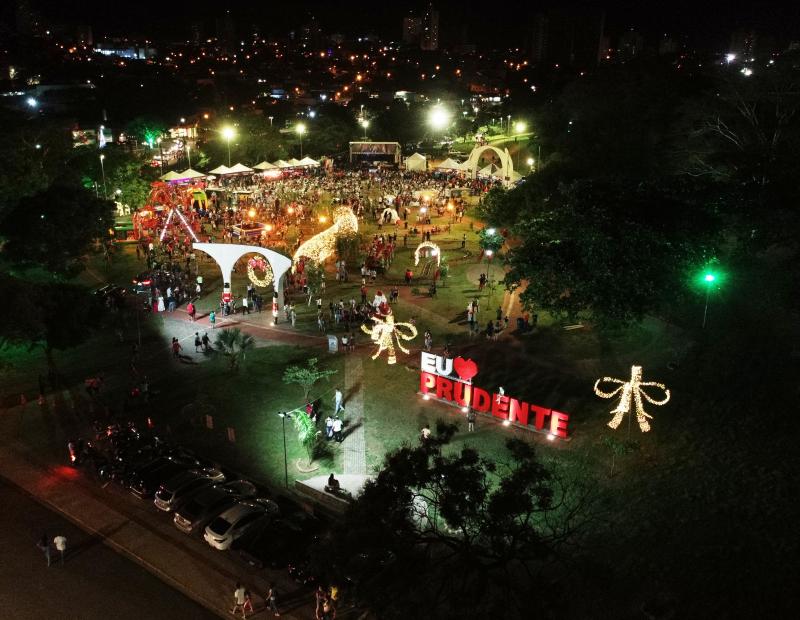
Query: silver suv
[[171, 494]]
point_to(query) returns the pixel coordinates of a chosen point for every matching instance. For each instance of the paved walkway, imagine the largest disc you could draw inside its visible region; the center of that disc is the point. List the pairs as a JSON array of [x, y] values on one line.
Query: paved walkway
[[354, 446]]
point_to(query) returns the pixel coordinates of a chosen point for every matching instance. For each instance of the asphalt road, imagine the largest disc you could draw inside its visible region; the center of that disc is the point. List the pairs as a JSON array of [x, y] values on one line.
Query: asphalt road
[[95, 581]]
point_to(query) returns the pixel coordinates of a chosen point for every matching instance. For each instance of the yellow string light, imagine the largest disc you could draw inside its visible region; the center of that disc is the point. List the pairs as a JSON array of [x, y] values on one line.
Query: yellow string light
[[382, 332], [631, 389], [322, 245], [435, 251], [259, 262]]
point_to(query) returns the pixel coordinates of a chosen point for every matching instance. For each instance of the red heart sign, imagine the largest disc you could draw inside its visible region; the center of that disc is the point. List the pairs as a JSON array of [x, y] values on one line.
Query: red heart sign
[[466, 369]]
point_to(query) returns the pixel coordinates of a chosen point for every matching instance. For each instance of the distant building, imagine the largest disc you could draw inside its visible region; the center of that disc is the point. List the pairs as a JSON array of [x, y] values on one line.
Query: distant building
[[412, 29], [538, 47], [429, 40]]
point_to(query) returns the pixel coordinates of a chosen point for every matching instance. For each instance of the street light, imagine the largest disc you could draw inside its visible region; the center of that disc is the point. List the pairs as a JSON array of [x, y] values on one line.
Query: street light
[[189, 154], [228, 133], [520, 127], [530, 163], [103, 171], [300, 129], [439, 118], [32, 102], [365, 124], [283, 415], [709, 278]]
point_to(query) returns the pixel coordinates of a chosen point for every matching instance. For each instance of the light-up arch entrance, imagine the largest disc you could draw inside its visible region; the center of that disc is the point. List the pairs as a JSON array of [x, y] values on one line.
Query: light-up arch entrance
[[506, 162], [226, 255]]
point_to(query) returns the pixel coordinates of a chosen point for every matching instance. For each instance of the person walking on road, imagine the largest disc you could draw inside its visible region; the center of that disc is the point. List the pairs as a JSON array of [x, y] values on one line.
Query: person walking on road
[[212, 318], [61, 546], [44, 547], [239, 598], [206, 341], [338, 397], [337, 429], [197, 342], [190, 310], [471, 420], [272, 599]]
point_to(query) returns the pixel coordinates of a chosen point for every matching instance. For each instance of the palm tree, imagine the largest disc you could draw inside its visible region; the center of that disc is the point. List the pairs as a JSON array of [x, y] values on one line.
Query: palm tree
[[234, 345]]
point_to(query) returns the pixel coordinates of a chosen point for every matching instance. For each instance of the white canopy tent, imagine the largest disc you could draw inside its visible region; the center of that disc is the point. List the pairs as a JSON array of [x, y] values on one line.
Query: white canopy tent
[[282, 164], [294, 162], [491, 171], [191, 174], [449, 164], [170, 176], [307, 161], [265, 165], [416, 162], [238, 169], [220, 170]]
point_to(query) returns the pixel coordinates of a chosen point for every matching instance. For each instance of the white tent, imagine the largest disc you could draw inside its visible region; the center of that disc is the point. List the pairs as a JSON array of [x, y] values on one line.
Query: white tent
[[293, 162], [449, 164], [491, 171], [282, 164], [515, 176], [307, 161], [170, 176], [191, 174], [389, 216], [238, 168], [416, 162], [265, 165], [220, 170]]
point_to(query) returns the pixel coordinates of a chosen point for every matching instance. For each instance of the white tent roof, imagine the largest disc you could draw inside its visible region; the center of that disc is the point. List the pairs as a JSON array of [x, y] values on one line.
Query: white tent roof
[[449, 164], [293, 162], [265, 165], [416, 157], [282, 164], [191, 174], [515, 176], [170, 176], [239, 168], [220, 170], [490, 171], [307, 161]]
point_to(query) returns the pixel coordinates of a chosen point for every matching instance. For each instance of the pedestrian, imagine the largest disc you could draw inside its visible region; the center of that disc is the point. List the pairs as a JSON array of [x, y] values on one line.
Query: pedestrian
[[197, 342], [337, 429], [326, 611], [44, 547], [176, 348], [329, 427], [238, 599], [245, 305], [293, 316], [248, 603], [206, 341], [321, 596], [338, 398], [425, 434], [61, 546], [428, 339], [470, 419], [463, 240], [191, 310], [212, 318], [272, 599], [499, 313]]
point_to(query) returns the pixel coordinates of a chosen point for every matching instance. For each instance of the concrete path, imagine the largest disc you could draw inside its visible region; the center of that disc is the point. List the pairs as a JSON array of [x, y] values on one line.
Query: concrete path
[[354, 446]]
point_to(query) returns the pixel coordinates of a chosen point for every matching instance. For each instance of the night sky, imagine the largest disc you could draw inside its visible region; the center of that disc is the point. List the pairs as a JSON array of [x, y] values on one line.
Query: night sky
[[708, 23]]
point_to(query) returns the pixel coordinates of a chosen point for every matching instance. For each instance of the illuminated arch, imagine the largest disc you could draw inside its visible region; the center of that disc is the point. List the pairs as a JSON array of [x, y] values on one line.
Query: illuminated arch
[[435, 251], [506, 162], [226, 255], [323, 245]]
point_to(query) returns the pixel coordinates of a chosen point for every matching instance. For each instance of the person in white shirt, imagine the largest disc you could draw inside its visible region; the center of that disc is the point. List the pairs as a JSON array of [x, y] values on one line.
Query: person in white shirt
[[337, 429], [61, 546], [238, 599], [338, 397]]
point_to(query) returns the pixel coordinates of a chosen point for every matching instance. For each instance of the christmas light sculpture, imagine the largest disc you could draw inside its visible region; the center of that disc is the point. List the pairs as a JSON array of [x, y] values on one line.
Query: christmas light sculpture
[[384, 328], [259, 262], [631, 389], [322, 246], [435, 251]]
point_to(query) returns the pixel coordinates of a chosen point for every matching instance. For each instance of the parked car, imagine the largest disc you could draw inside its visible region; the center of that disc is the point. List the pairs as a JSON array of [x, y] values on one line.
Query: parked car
[[174, 492], [143, 483], [234, 522], [279, 542], [208, 503]]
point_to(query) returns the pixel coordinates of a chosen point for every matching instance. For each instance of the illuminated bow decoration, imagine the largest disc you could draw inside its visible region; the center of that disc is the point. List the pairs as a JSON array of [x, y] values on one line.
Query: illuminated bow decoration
[[382, 332], [632, 388]]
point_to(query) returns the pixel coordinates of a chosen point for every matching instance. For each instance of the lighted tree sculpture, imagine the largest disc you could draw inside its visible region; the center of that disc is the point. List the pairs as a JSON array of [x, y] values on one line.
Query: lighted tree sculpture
[[628, 390], [385, 332], [323, 245]]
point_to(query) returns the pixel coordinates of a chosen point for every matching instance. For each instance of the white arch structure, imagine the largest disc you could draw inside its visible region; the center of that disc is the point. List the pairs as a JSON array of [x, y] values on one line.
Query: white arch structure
[[226, 255], [434, 251], [506, 162]]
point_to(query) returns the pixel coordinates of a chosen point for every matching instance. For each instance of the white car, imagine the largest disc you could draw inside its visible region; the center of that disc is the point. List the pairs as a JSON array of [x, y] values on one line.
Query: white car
[[235, 521]]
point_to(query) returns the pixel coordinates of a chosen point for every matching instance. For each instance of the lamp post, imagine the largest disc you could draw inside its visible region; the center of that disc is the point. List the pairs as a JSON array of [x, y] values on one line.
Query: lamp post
[[270, 120], [228, 133], [189, 154], [530, 163], [365, 124], [300, 129], [283, 415], [439, 118], [103, 171], [709, 279]]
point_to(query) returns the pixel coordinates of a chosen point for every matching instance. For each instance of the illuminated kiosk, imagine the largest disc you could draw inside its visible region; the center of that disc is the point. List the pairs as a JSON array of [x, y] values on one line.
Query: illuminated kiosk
[[506, 163], [226, 255]]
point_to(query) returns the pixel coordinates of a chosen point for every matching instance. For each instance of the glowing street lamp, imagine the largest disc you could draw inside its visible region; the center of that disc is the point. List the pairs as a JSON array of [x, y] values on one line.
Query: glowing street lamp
[[283, 415], [103, 171], [365, 124], [229, 133], [530, 163], [520, 127], [709, 278], [32, 102], [439, 118], [300, 129]]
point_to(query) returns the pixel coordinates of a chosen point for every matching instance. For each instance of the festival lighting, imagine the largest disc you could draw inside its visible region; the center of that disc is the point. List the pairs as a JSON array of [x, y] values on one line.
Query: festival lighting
[[322, 245], [251, 213], [520, 127], [628, 390], [32, 102], [382, 332], [259, 262], [434, 251], [439, 118]]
